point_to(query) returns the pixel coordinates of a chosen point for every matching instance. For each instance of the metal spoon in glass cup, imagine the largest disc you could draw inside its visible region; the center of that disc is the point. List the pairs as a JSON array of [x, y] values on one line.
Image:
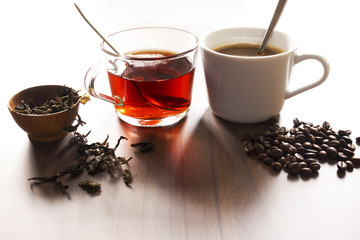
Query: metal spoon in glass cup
[[272, 25]]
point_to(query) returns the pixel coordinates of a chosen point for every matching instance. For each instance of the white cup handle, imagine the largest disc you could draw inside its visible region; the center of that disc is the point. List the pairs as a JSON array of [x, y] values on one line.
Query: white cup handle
[[326, 66]]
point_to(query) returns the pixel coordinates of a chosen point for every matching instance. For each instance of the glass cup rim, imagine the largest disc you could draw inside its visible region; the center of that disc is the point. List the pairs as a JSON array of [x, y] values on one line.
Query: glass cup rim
[[177, 55]]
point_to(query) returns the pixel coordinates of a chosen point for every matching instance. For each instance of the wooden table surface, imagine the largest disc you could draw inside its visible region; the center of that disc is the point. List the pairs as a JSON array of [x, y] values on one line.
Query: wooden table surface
[[198, 183]]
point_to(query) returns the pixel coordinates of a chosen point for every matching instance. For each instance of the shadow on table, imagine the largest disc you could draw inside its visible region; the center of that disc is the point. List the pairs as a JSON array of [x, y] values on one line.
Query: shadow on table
[[202, 163], [46, 160]]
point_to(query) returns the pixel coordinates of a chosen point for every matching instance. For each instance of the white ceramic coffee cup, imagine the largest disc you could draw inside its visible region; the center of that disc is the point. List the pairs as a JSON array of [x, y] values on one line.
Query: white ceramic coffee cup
[[251, 89]]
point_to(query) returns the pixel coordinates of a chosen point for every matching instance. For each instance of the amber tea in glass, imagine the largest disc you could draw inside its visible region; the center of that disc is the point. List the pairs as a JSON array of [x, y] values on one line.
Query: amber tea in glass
[[151, 83]]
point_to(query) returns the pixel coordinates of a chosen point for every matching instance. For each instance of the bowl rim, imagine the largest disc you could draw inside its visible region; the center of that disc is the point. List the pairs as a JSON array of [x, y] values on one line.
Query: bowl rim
[[39, 115]]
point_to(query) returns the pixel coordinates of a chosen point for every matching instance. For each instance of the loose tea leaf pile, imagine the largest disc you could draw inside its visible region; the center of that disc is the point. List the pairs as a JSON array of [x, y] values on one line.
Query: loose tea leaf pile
[[94, 158], [301, 149], [68, 98]]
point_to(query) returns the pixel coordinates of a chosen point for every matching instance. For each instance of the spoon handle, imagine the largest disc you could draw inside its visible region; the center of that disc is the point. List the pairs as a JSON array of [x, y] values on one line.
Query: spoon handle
[[274, 21], [103, 38]]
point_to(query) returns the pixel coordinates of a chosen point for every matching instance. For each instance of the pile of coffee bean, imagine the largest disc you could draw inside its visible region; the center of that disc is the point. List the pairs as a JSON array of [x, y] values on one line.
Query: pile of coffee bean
[[300, 149]]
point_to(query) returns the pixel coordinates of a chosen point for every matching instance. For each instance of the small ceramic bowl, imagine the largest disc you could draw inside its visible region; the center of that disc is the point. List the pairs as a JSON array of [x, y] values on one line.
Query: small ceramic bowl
[[43, 128]]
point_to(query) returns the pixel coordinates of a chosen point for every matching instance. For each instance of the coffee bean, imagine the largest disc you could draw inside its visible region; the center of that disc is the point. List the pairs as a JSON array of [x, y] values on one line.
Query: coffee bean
[[322, 154], [347, 139], [310, 160], [303, 164], [276, 166], [299, 157], [351, 147], [350, 165], [276, 142], [342, 143], [281, 160], [284, 146], [300, 138], [317, 148], [341, 165], [324, 146], [248, 147], [315, 166], [332, 137], [294, 168], [334, 143], [305, 171], [318, 140], [332, 152], [268, 161], [259, 148], [290, 139], [357, 139], [307, 145], [276, 153], [344, 132], [292, 150], [311, 138], [348, 152], [290, 159], [342, 156], [310, 155], [262, 156], [355, 161], [301, 150]]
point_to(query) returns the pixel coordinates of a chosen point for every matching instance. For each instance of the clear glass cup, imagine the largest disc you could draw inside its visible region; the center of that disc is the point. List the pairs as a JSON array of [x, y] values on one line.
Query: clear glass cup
[[151, 78]]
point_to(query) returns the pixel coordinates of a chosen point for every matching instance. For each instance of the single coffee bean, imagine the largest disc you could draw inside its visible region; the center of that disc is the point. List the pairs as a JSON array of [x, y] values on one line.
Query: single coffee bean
[[348, 152], [268, 161], [342, 143], [347, 139], [294, 168], [292, 150], [324, 146], [341, 165], [342, 156], [290, 139], [248, 147], [281, 160], [315, 166], [334, 143], [290, 159], [299, 157], [259, 148], [317, 148], [276, 143], [284, 146], [344, 132], [322, 154], [318, 140], [351, 147], [310, 160], [262, 156], [307, 145], [332, 137], [350, 165], [297, 145], [276, 153], [310, 155], [311, 138], [357, 139], [300, 138], [276, 165], [305, 171], [355, 161], [303, 164], [301, 150], [332, 152], [296, 122]]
